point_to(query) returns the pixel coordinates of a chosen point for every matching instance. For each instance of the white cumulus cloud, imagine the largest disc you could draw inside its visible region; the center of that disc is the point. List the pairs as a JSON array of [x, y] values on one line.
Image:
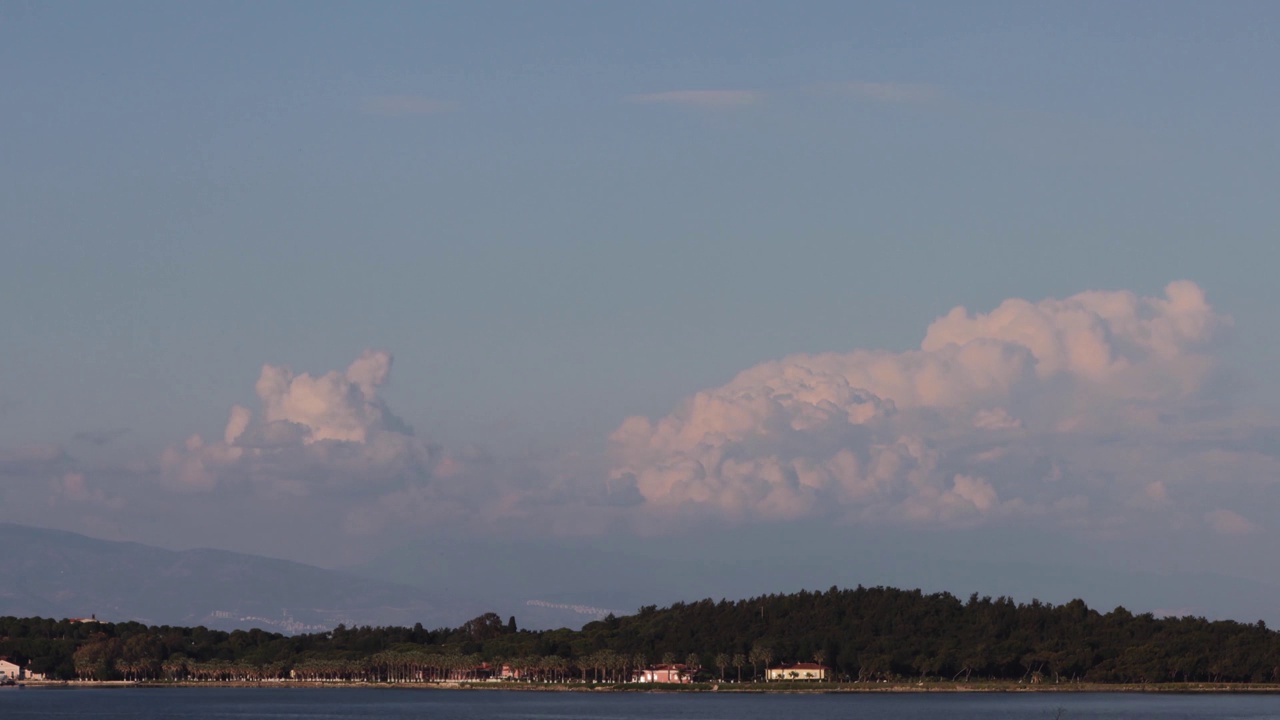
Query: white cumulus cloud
[[313, 432], [333, 406], [982, 420]]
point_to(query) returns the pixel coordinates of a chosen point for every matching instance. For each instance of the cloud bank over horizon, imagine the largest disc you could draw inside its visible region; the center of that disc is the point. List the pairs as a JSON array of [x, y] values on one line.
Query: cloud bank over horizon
[[1075, 411], [1103, 414]]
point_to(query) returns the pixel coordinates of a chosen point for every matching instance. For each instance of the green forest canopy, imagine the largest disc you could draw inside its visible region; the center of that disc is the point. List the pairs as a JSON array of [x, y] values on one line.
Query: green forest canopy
[[862, 634]]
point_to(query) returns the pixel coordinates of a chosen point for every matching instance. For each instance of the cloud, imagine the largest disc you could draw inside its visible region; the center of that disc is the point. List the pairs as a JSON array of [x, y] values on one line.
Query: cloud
[[327, 445], [1226, 522], [405, 105], [1087, 413], [312, 433], [74, 487], [32, 460], [1156, 492], [333, 406], [237, 424], [996, 419], [996, 414], [701, 99]]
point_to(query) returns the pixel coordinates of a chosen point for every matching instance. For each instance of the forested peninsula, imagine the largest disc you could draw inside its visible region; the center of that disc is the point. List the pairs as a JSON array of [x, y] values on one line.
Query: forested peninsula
[[857, 635]]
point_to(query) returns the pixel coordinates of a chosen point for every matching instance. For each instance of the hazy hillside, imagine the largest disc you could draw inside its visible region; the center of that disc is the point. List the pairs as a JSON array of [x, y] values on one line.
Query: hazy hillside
[[534, 581], [51, 573]]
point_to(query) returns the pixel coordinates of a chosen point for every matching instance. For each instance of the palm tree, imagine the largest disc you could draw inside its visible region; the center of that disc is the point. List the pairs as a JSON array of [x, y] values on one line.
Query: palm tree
[[692, 663], [762, 655], [639, 662], [596, 661], [557, 666], [621, 663], [175, 668], [722, 662], [738, 661], [820, 657]]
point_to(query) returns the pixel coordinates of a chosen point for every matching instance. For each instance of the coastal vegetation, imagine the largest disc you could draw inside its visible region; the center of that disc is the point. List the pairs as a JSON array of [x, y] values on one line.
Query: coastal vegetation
[[862, 635]]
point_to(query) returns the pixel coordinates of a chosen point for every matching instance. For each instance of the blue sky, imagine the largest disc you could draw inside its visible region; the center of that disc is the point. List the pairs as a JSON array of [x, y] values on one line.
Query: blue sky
[[560, 215]]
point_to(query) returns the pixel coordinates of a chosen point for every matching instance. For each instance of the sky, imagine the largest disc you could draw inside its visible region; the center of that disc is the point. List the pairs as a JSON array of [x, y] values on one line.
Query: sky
[[697, 298]]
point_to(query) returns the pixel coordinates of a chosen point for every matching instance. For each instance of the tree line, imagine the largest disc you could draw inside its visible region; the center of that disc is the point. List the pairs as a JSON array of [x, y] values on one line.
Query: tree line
[[861, 634]]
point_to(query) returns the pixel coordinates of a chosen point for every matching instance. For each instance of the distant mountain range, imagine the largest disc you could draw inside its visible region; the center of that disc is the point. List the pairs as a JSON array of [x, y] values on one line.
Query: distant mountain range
[[51, 573]]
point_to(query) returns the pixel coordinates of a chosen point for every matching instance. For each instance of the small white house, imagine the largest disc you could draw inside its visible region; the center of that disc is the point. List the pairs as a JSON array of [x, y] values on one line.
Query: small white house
[[799, 671], [10, 671]]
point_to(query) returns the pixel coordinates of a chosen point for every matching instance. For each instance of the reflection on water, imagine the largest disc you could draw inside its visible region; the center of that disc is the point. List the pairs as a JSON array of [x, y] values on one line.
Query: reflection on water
[[338, 704]]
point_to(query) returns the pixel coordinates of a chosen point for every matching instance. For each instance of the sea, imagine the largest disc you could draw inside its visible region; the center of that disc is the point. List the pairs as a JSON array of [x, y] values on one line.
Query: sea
[[391, 703]]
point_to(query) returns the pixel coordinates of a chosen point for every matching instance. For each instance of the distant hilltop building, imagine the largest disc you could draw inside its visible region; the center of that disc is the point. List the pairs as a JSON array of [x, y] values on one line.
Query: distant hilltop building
[[91, 619]]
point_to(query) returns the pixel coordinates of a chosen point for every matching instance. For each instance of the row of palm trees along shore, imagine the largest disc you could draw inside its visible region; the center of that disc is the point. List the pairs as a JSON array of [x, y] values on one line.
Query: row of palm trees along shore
[[423, 667]]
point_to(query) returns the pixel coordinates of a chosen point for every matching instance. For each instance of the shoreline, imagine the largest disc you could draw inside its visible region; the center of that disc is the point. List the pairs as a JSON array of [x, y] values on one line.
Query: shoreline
[[699, 688]]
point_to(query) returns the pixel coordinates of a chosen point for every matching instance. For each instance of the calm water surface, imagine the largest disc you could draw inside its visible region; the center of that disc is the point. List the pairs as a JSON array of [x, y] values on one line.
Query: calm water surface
[[214, 703]]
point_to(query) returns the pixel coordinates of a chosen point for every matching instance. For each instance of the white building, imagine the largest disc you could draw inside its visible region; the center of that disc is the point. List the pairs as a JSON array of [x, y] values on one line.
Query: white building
[[664, 674], [799, 671], [10, 671]]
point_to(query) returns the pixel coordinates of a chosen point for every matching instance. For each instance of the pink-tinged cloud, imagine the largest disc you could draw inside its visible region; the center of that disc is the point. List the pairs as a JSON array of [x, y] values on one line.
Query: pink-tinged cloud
[[329, 442], [1096, 336], [237, 423], [74, 487], [312, 431], [405, 105], [702, 99], [333, 406], [935, 434], [1226, 522]]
